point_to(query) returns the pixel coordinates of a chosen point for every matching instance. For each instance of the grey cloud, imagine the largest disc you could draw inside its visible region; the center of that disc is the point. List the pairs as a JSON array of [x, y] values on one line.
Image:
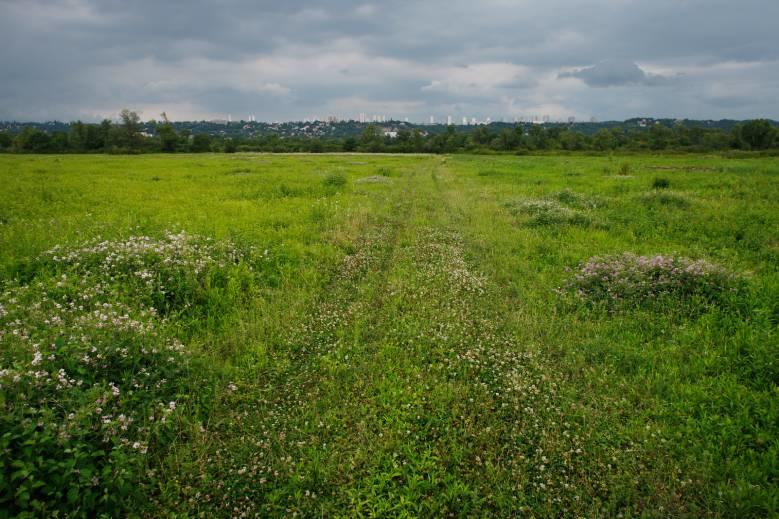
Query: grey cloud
[[70, 58], [615, 73]]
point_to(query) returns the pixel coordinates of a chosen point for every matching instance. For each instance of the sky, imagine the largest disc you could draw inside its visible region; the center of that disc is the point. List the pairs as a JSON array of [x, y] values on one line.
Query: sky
[[296, 59]]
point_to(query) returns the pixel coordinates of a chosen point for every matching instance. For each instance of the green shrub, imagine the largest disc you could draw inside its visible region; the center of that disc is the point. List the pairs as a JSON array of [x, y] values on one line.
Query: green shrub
[[627, 279], [548, 212], [335, 180], [666, 199], [94, 377], [579, 200], [661, 183]]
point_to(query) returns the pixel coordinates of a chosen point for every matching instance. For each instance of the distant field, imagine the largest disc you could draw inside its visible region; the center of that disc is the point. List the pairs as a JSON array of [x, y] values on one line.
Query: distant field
[[389, 335]]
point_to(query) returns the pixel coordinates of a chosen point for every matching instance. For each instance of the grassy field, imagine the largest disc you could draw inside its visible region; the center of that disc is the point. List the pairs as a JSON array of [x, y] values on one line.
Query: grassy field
[[364, 335]]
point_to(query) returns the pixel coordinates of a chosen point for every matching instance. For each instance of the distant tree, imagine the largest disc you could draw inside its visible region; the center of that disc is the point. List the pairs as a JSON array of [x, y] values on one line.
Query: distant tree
[[131, 129], [572, 140], [620, 139], [715, 140], [77, 136], [201, 143], [32, 140], [370, 139], [349, 144], [102, 139], [403, 142], [603, 140], [758, 134], [58, 143], [417, 141], [554, 137], [230, 146], [537, 137], [184, 140], [507, 139], [660, 137], [519, 136], [5, 140], [481, 136], [166, 134]]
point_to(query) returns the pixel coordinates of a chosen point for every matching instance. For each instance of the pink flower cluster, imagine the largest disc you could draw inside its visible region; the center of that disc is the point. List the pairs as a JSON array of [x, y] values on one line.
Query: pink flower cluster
[[631, 278]]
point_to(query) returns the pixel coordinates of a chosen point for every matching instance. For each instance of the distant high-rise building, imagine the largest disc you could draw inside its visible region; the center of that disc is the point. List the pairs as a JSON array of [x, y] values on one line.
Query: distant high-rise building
[[229, 118], [473, 121], [465, 121], [448, 120], [432, 119]]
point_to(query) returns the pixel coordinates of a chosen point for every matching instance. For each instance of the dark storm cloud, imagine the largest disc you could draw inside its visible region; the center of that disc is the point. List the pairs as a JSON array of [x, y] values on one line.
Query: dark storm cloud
[[615, 73], [283, 60]]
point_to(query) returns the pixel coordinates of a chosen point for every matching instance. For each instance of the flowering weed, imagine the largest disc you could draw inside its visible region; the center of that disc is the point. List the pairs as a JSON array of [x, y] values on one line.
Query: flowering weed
[[92, 370], [627, 279]]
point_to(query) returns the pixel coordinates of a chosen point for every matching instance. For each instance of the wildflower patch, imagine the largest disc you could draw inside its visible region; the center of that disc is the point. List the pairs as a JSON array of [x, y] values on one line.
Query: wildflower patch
[[548, 212], [177, 274], [578, 200], [636, 280], [92, 371]]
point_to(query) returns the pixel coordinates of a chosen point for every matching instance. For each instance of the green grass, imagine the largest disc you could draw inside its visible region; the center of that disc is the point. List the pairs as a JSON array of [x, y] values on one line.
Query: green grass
[[401, 348]]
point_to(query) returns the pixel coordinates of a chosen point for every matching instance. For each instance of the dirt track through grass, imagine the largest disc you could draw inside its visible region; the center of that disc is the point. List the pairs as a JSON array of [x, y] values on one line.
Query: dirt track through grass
[[404, 393]]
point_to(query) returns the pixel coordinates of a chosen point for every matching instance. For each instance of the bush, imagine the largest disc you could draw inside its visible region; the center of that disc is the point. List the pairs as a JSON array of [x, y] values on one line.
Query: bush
[[624, 169], [574, 199], [548, 212], [334, 180], [637, 280], [94, 377], [661, 183]]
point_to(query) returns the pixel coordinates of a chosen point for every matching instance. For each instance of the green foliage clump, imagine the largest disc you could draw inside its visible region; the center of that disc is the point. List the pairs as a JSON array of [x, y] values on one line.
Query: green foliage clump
[[661, 183], [95, 379], [334, 180], [548, 213], [578, 200], [666, 198], [628, 279]]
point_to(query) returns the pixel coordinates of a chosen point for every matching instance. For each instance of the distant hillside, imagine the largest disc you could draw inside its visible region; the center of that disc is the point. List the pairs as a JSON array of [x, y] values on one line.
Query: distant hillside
[[342, 129]]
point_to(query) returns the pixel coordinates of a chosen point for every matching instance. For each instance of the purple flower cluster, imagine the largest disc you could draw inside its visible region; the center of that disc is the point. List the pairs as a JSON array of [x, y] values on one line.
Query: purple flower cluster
[[635, 279]]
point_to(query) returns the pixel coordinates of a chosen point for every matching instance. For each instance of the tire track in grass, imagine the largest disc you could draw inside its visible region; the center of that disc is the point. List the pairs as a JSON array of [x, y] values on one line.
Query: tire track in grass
[[400, 396], [405, 394], [269, 451], [559, 449], [460, 419]]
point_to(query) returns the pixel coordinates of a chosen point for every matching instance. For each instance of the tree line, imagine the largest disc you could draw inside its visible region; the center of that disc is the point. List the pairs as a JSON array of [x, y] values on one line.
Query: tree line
[[128, 136]]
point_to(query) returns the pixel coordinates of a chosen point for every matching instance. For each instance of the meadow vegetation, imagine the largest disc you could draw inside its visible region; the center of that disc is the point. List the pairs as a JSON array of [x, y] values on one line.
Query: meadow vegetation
[[253, 335]]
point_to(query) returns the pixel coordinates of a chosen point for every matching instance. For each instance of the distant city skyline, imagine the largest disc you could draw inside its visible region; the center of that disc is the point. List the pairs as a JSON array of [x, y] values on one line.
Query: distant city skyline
[[87, 59]]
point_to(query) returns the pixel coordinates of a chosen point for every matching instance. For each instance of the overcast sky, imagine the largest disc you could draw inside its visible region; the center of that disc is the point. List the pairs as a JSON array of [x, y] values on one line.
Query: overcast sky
[[293, 59]]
